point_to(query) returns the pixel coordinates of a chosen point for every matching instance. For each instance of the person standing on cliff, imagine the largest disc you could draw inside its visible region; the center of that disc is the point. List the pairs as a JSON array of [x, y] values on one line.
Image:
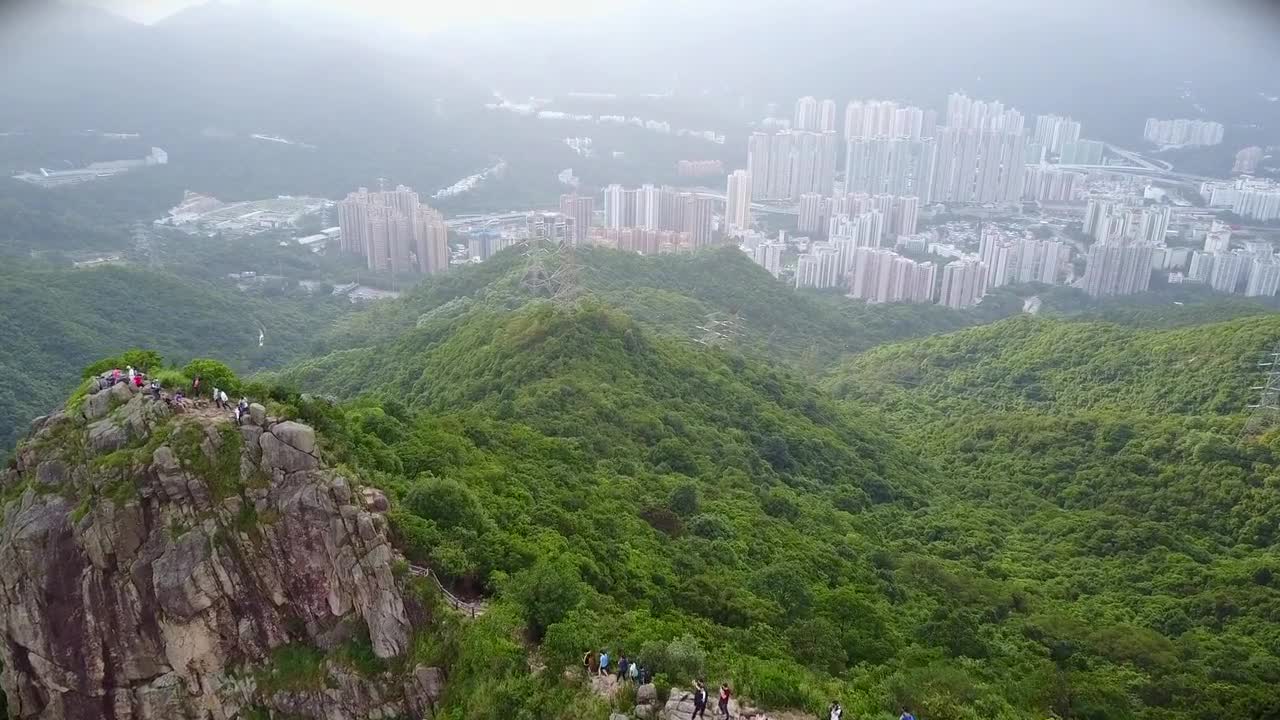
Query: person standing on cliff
[[699, 700]]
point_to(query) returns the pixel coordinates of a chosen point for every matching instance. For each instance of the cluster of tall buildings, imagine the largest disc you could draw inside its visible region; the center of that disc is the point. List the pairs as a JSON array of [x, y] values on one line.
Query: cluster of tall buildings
[[888, 119], [1253, 269], [873, 274], [1182, 132], [812, 114], [1127, 240], [894, 165], [660, 208], [1020, 260], [1054, 131], [788, 164], [976, 165], [1251, 198], [1119, 221], [965, 113], [768, 255], [394, 231], [964, 283], [1049, 185]]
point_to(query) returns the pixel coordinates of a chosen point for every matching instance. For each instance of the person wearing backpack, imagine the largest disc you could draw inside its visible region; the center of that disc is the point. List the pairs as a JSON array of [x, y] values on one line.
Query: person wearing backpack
[[906, 715], [699, 700], [836, 712]]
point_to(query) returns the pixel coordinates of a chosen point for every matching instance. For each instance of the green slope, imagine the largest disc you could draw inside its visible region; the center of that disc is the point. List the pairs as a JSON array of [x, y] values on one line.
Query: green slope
[[56, 322], [676, 295], [1103, 469]]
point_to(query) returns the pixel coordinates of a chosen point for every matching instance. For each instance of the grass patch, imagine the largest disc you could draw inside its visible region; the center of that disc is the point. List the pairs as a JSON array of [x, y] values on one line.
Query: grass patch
[[357, 654], [221, 472], [292, 667]]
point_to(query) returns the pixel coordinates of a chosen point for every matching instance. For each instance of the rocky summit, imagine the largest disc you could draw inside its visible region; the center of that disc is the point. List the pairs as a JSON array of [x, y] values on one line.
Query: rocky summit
[[161, 564]]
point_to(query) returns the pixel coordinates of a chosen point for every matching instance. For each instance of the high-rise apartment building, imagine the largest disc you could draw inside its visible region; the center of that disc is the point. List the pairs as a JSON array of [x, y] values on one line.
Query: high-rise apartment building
[[582, 209], [786, 165], [979, 166], [1052, 131], [1049, 185], [806, 117], [1218, 238], [812, 218], [964, 283], [393, 231], [697, 219], [1264, 277], [878, 275], [827, 116], [1228, 271], [737, 215], [1115, 269], [768, 255], [551, 226], [1182, 132]]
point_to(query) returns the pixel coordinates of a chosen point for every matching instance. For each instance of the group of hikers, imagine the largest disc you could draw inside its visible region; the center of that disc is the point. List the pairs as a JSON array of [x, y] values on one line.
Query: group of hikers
[[138, 379], [598, 664]]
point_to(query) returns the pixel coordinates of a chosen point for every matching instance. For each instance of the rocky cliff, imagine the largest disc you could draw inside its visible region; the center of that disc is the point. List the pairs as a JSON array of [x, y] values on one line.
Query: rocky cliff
[[169, 566]]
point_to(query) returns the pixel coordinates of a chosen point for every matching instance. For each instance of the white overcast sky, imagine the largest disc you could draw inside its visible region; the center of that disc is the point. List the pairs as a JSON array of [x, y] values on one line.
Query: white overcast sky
[[421, 14]]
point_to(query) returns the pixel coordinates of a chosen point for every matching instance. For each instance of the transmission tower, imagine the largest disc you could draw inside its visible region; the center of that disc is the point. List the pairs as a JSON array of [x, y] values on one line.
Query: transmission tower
[[1264, 413]]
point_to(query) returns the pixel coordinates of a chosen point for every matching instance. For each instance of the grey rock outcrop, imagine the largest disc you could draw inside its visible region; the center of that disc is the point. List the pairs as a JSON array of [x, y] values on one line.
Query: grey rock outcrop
[[152, 589], [680, 704]]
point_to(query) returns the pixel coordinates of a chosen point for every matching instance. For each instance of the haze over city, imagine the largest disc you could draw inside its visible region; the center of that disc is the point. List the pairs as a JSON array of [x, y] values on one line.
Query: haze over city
[[639, 360]]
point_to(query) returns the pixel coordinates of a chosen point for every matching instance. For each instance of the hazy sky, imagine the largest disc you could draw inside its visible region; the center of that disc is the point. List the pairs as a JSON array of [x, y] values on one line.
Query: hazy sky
[[420, 14]]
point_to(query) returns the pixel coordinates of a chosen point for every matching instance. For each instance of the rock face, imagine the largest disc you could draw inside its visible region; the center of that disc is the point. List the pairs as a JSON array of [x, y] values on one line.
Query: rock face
[[157, 586]]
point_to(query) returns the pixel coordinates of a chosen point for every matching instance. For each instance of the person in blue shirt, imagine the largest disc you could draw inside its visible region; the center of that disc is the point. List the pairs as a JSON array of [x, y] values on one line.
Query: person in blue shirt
[[604, 662], [906, 715]]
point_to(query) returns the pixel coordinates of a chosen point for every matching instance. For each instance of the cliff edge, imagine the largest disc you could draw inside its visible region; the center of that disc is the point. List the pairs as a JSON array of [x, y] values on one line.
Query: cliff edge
[[169, 563]]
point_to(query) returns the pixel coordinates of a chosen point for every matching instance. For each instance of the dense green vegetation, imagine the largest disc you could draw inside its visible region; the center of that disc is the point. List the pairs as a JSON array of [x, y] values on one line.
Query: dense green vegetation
[[54, 322], [1103, 472], [1036, 517], [1063, 518]]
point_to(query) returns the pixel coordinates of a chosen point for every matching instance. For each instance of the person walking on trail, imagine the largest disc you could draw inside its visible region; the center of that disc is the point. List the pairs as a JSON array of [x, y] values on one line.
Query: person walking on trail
[[724, 700], [604, 662], [241, 409], [835, 712], [129, 371], [222, 398], [195, 386], [699, 700], [589, 663], [622, 668], [633, 672], [155, 389], [216, 401], [906, 715]]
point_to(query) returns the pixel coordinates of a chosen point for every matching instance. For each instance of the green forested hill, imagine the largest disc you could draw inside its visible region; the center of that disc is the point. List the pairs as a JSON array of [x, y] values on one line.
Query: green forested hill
[[1104, 468], [1029, 363], [1062, 518], [1036, 518], [675, 295], [54, 322]]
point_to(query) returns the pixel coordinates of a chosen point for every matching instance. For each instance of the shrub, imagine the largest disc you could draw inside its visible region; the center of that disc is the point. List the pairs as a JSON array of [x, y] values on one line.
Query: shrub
[[212, 374]]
